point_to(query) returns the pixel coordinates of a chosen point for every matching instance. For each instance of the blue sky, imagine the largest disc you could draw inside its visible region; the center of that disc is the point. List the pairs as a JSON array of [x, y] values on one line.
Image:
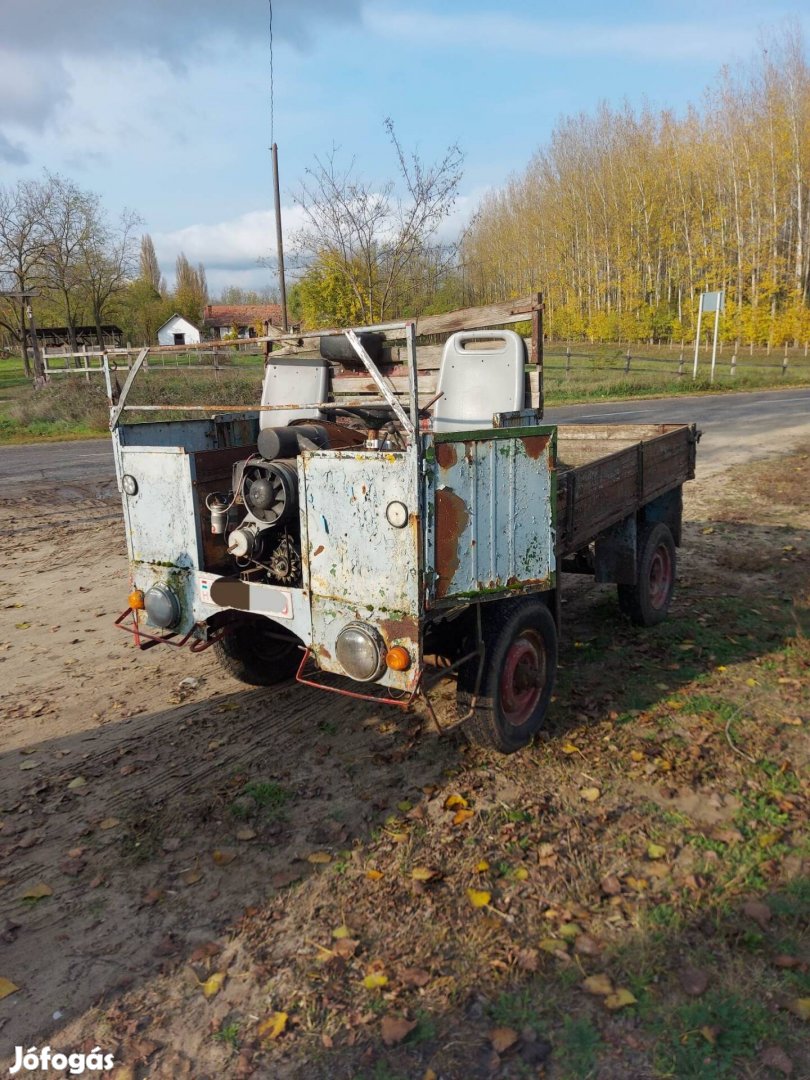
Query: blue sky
[[162, 106]]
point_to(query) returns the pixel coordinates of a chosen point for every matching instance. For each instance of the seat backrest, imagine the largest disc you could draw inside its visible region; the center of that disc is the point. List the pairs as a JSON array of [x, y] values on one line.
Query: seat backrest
[[291, 379], [482, 373]]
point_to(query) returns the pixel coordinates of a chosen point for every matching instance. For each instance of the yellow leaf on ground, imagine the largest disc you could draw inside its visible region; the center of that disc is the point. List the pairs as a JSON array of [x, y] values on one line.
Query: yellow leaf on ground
[[109, 823], [374, 875], [655, 851], [636, 755], [569, 748], [751, 682], [479, 897], [37, 892], [423, 873], [273, 1026], [620, 999], [461, 816], [341, 932], [590, 794], [553, 945], [800, 1007], [213, 984], [637, 884], [570, 930], [600, 985], [375, 980], [521, 874], [222, 857], [452, 801], [7, 987], [319, 857], [482, 866]]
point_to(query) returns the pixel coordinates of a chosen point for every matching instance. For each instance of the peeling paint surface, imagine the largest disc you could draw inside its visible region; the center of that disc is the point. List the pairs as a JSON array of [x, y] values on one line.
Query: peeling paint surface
[[493, 524]]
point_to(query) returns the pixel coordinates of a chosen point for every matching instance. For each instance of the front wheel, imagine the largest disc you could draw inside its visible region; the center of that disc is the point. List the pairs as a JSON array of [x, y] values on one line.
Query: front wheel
[[520, 664], [647, 602], [258, 651]]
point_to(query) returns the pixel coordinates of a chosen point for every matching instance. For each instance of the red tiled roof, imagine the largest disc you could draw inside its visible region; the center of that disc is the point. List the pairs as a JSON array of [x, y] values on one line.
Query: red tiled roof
[[241, 314]]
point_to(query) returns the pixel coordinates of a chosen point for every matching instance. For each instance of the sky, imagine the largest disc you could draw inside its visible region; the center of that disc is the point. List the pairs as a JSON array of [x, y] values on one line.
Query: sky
[[163, 106]]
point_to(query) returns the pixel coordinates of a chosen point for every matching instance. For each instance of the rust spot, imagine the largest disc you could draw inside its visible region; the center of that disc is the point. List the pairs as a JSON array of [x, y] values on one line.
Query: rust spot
[[322, 652], [317, 550], [452, 517], [535, 445], [446, 455], [398, 629], [512, 581]]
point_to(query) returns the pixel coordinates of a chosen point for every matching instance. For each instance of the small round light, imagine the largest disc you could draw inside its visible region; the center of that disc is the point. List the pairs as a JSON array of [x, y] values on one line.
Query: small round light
[[130, 484], [162, 607], [135, 600], [360, 652], [398, 658], [397, 514]]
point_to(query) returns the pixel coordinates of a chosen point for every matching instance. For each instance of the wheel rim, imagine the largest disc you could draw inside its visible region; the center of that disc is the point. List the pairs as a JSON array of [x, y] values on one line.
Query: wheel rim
[[523, 678], [660, 576]]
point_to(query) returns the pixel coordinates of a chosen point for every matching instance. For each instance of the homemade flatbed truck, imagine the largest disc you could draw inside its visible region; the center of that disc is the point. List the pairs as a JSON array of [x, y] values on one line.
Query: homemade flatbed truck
[[389, 517]]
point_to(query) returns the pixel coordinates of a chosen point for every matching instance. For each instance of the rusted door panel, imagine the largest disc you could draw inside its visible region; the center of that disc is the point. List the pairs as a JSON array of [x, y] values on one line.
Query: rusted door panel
[[493, 500]]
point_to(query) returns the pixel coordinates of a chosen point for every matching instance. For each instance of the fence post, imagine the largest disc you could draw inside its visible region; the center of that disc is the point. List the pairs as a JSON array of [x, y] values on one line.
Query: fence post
[[627, 361], [784, 363], [751, 347], [734, 363], [567, 359], [680, 365], [86, 363]]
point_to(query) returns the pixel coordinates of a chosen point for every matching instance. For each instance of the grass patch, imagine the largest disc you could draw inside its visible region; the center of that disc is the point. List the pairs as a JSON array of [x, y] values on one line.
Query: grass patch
[[577, 1048], [265, 798]]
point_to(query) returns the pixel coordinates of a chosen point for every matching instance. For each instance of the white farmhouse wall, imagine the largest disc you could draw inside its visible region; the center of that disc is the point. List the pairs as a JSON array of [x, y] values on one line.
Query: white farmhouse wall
[[178, 325]]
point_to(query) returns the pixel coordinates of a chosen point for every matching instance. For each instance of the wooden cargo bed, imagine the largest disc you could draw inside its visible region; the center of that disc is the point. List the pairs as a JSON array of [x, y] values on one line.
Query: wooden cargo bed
[[607, 471]]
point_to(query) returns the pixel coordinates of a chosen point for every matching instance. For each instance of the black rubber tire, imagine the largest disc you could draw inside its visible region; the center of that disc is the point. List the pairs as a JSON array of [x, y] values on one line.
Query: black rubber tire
[[508, 624], [250, 654], [647, 602]]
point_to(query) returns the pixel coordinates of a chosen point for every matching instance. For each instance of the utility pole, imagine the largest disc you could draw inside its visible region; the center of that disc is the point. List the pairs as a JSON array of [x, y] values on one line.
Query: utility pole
[[279, 241]]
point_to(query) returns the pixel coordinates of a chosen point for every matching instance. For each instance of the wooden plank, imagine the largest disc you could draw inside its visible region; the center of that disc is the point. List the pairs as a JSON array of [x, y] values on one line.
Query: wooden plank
[[508, 311]]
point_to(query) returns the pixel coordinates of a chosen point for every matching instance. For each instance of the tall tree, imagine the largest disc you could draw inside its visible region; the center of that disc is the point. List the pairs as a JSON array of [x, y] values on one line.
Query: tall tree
[[22, 245], [149, 267], [190, 290]]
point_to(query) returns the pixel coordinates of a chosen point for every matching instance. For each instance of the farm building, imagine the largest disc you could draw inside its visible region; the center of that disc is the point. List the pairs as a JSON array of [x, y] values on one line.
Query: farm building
[[57, 337], [249, 320], [178, 331]]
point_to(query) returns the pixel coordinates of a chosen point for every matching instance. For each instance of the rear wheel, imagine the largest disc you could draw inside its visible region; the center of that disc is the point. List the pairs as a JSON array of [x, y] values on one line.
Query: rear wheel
[[647, 602], [520, 663], [258, 651]]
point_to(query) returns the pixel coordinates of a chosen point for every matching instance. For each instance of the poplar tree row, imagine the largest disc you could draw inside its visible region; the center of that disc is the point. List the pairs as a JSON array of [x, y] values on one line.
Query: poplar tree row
[[627, 215]]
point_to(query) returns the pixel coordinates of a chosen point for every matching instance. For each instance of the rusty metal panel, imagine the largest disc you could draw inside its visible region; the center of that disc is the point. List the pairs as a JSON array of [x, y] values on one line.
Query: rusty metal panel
[[493, 501], [358, 566]]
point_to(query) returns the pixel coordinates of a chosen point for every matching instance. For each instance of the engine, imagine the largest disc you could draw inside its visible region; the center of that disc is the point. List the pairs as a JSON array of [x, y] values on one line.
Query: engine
[[258, 519]]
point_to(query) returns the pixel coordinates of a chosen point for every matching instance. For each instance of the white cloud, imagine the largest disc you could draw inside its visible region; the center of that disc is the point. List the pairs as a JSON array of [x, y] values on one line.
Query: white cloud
[[557, 39]]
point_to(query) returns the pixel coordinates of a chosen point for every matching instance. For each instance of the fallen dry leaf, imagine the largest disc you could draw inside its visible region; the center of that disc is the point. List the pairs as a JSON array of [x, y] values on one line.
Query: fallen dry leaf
[[37, 892], [222, 857], [213, 984], [76, 782], [655, 851], [482, 866], [396, 1028], [346, 948], [553, 945], [453, 801], [620, 999], [109, 823], [191, 877], [319, 857], [611, 886], [246, 834], [375, 980], [414, 977], [800, 1007], [479, 897], [374, 875], [423, 873], [569, 748], [461, 816], [502, 1038], [7, 987], [759, 912], [341, 931], [601, 985], [273, 1026], [590, 794]]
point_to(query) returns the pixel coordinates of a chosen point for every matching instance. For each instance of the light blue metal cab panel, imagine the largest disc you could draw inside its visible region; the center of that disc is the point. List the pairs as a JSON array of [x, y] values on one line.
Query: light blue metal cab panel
[[491, 497]]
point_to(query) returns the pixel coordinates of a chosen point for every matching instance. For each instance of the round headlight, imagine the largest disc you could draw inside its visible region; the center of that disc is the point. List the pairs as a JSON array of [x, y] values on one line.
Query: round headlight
[[162, 607], [129, 484], [361, 652]]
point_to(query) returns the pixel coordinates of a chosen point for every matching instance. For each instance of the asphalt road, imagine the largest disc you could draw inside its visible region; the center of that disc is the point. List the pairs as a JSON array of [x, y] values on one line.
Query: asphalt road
[[736, 428]]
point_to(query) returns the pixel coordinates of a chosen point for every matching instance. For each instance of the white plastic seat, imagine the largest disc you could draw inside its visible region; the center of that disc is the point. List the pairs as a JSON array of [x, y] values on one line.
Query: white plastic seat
[[477, 382], [288, 380]]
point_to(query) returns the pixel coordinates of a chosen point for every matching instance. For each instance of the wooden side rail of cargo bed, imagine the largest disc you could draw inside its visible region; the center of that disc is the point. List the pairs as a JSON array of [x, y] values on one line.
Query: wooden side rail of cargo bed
[[605, 472]]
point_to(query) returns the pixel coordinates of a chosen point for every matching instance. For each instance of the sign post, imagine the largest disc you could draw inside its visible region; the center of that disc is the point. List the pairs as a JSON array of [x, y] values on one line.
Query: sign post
[[709, 301]]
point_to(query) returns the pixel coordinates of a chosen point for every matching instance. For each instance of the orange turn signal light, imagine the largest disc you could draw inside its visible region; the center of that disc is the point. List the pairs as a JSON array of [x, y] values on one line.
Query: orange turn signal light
[[135, 600], [398, 659]]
